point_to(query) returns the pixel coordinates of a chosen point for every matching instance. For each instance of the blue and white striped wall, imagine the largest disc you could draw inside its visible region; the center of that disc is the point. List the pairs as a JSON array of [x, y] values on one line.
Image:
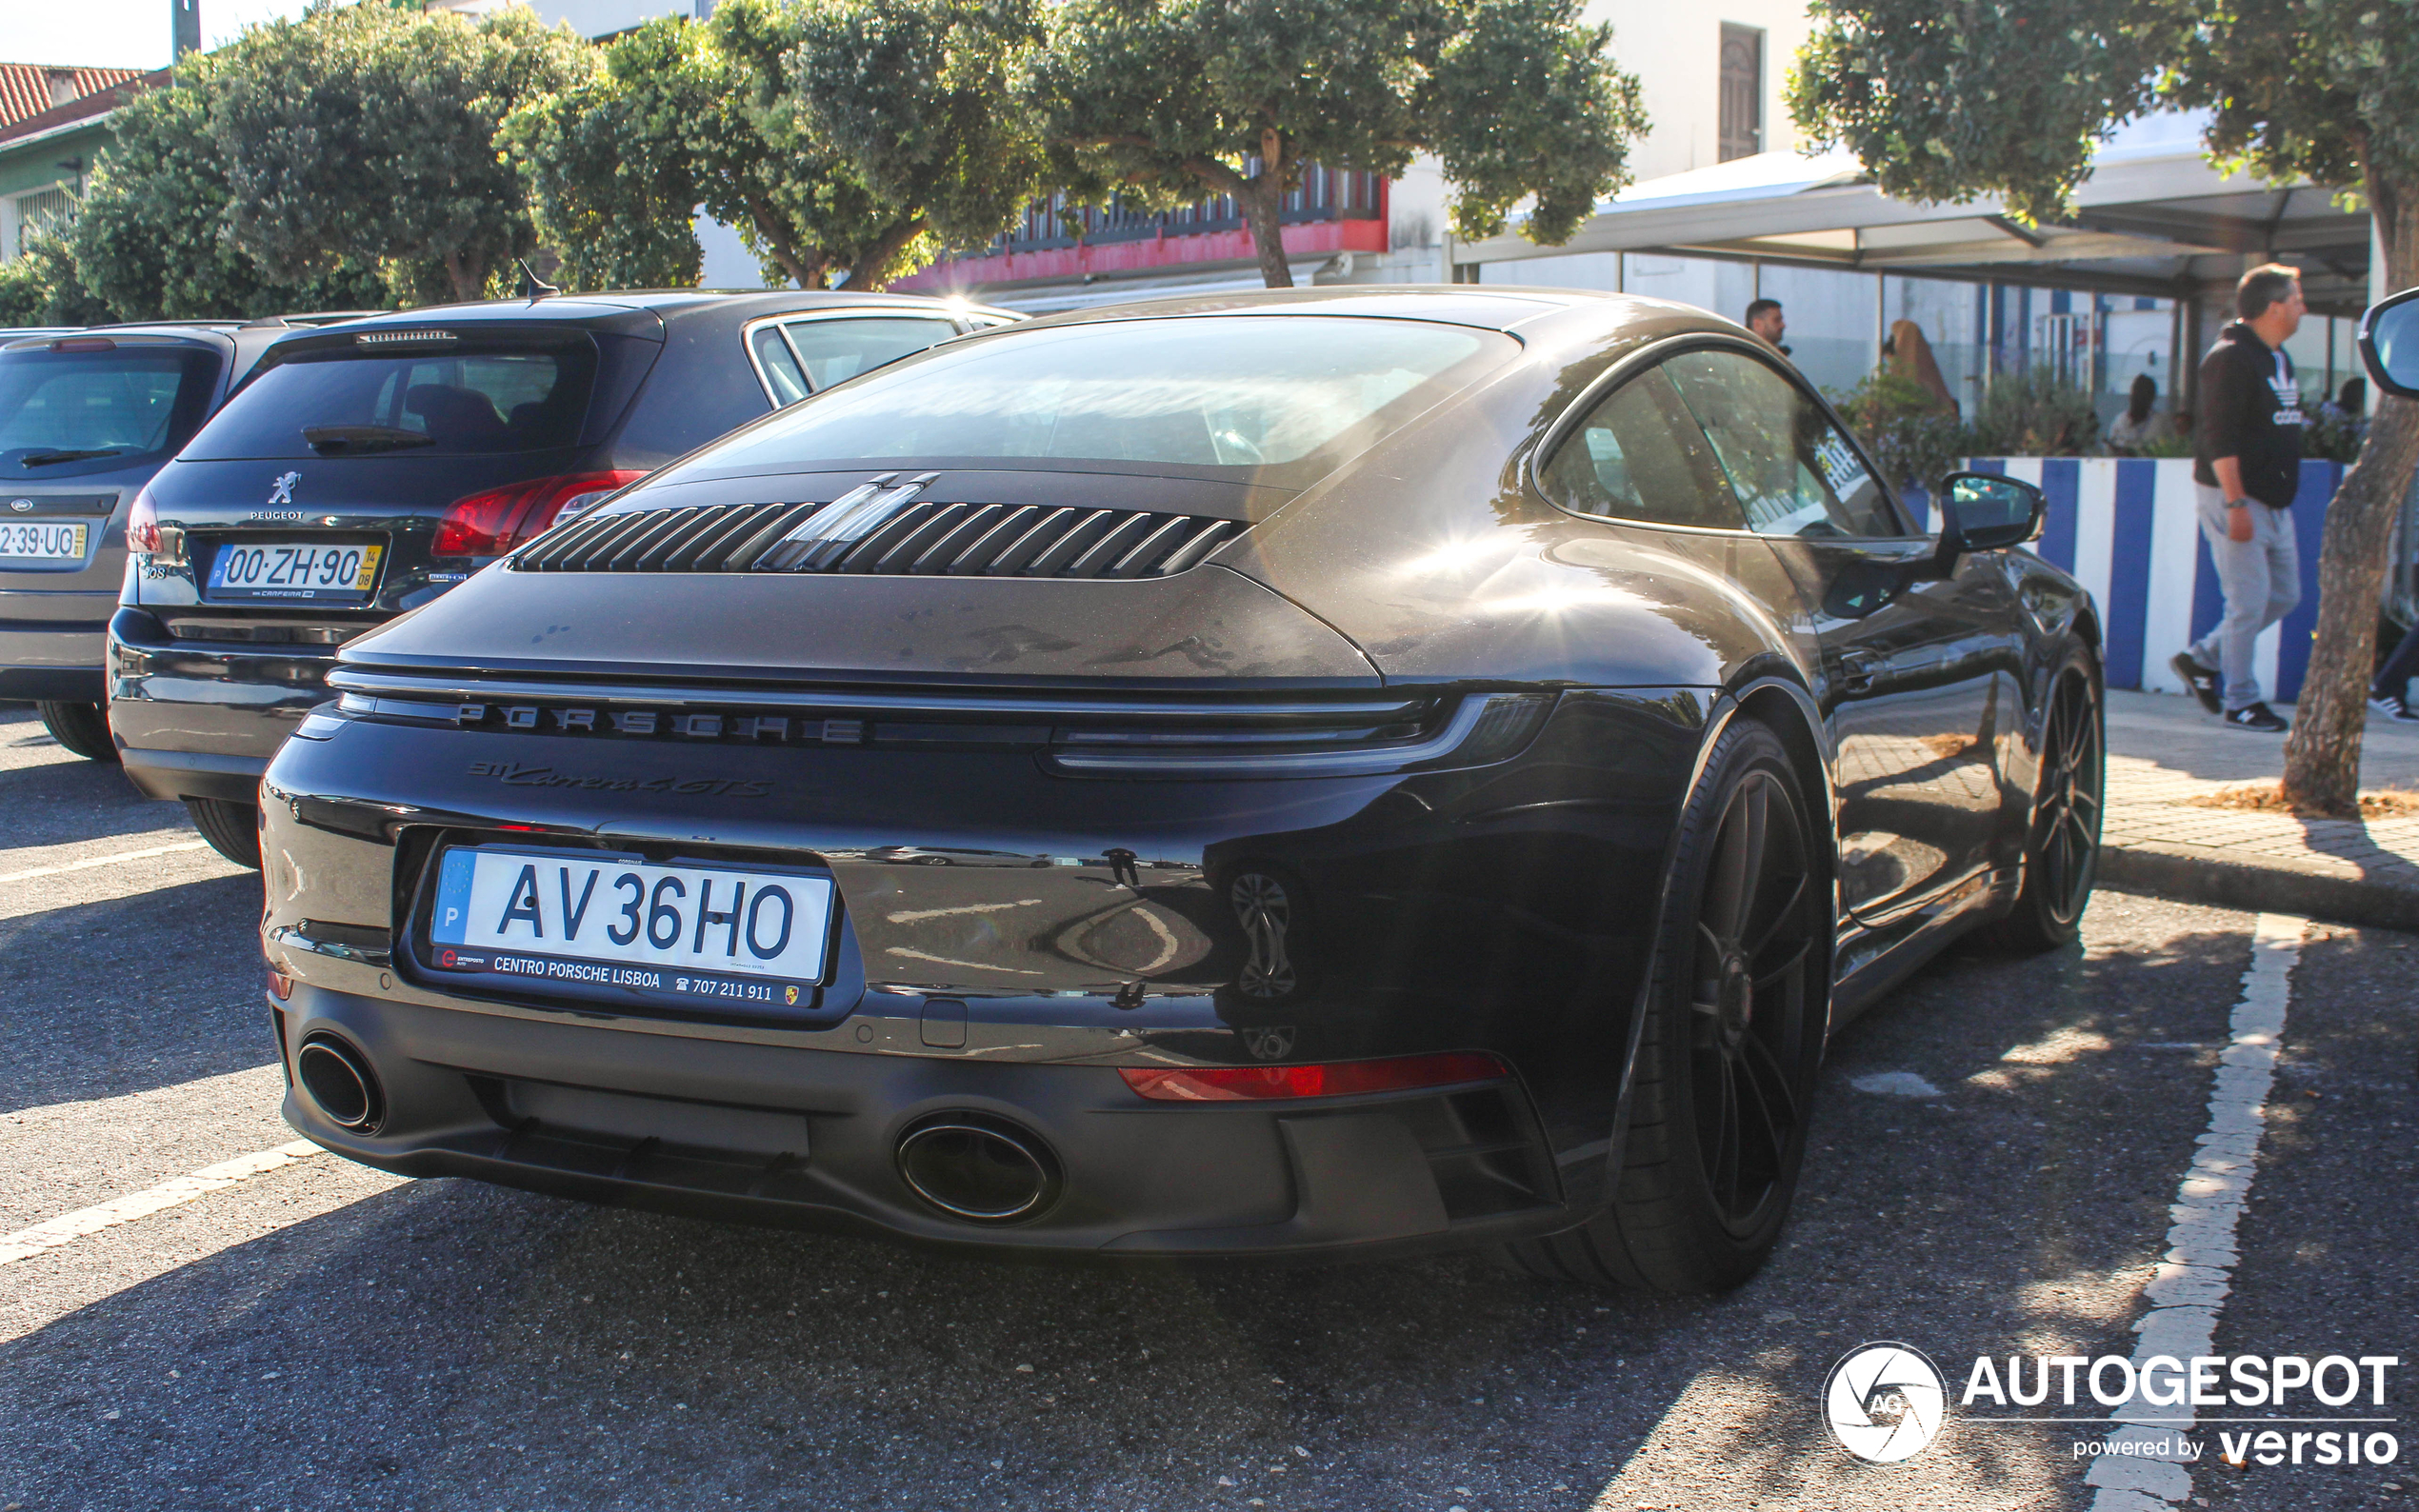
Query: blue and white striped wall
[[2126, 527]]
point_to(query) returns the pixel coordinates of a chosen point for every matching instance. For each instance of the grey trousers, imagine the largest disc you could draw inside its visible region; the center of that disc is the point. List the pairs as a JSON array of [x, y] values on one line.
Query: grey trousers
[[2262, 578]]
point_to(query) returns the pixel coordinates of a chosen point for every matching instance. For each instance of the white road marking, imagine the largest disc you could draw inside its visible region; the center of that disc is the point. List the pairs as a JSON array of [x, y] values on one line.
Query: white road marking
[[67, 1228], [2197, 1270], [90, 862]]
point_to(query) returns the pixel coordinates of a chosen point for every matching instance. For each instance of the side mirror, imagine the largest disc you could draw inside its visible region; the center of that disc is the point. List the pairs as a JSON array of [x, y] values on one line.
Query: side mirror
[[2390, 343], [1983, 511]]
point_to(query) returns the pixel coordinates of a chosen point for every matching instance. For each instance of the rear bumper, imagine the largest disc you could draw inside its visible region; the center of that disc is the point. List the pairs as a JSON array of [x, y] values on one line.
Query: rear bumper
[[805, 1138], [199, 719], [55, 660], [175, 774]]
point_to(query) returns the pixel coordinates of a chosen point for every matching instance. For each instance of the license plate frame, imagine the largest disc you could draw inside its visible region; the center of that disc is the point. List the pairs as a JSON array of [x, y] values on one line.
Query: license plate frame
[[480, 926], [31, 534], [294, 570]]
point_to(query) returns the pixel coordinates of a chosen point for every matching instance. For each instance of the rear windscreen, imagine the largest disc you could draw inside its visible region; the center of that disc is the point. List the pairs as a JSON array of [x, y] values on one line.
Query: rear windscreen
[[78, 410], [448, 404], [1276, 397]]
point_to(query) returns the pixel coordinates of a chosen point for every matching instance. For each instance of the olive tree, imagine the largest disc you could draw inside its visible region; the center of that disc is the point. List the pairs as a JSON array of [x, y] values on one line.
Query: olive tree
[[1172, 100], [151, 238], [846, 141], [2009, 97], [368, 130]]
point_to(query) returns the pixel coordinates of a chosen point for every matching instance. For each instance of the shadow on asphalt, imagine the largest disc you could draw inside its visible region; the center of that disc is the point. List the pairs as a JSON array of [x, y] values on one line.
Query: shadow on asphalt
[[127, 994]]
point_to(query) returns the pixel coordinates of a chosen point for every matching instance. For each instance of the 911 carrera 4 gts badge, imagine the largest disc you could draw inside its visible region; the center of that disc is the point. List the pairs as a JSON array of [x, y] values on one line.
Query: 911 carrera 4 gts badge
[[521, 776]]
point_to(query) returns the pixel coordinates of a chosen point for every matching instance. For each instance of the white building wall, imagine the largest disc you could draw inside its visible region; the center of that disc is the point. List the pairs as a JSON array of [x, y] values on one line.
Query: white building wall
[[1676, 54]]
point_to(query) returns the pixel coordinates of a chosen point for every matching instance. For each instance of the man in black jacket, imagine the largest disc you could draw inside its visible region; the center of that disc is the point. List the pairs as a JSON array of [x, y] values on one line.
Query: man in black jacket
[[2247, 459]]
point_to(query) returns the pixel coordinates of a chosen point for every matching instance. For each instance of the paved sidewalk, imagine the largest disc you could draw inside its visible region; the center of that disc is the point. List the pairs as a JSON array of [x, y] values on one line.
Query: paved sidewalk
[[2163, 749]]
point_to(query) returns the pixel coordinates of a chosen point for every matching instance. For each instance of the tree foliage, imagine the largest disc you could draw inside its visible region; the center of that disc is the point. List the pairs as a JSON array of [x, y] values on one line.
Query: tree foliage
[[43, 287], [369, 131], [1166, 100], [847, 141], [610, 162], [151, 239], [2010, 97]]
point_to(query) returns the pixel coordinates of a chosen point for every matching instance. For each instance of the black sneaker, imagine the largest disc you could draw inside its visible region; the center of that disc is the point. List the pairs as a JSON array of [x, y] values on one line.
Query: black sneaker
[[2392, 703], [2202, 681], [2254, 716]]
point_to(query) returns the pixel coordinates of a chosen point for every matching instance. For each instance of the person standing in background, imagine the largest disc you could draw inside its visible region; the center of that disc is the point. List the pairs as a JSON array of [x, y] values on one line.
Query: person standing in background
[[2139, 425], [1764, 318], [2246, 461]]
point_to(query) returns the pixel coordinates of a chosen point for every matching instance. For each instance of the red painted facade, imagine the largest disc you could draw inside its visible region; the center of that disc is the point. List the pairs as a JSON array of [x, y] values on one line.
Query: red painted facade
[[1138, 255]]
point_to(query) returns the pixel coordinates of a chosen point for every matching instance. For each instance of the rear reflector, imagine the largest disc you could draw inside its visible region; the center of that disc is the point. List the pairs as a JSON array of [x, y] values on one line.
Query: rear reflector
[[1229, 1083], [494, 522], [281, 986]]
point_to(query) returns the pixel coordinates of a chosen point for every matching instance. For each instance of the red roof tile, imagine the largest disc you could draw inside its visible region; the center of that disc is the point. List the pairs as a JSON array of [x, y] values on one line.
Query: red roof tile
[[27, 89]]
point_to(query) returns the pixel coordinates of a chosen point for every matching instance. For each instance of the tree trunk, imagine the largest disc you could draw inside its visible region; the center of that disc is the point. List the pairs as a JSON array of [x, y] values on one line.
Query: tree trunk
[[1263, 203], [872, 270], [2322, 755], [468, 275]]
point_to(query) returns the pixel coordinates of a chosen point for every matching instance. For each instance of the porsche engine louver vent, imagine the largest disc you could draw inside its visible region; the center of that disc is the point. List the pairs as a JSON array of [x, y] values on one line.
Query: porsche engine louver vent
[[953, 540]]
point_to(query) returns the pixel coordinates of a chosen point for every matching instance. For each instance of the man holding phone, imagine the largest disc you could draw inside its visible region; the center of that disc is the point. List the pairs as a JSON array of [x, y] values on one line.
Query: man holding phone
[[2247, 460]]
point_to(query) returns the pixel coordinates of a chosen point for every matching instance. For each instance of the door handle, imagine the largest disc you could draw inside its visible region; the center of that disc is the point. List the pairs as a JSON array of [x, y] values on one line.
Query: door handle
[[1857, 671]]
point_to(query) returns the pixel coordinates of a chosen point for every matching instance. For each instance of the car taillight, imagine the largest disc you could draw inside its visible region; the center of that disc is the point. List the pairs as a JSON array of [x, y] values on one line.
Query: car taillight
[[143, 524], [1228, 1083], [497, 520]]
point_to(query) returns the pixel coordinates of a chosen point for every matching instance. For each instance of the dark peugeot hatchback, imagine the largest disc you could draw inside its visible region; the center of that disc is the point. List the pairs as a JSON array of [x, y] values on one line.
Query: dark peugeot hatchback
[[366, 468]]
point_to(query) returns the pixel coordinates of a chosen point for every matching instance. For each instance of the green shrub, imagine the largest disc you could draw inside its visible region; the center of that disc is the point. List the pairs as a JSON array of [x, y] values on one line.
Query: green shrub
[[2033, 413], [1904, 427]]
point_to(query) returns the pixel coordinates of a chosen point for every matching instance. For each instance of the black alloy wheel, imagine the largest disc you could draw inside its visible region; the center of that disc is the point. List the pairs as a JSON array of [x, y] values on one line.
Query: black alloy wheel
[[2062, 844], [1749, 998], [82, 728], [1725, 1073]]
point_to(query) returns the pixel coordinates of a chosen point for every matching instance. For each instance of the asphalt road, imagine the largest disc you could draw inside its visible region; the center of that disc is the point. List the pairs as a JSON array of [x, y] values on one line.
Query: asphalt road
[[325, 1336]]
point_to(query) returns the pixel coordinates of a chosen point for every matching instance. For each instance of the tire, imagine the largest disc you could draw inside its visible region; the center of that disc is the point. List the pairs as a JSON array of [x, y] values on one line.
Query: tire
[[2061, 839], [232, 829], [1719, 1097], [82, 728]]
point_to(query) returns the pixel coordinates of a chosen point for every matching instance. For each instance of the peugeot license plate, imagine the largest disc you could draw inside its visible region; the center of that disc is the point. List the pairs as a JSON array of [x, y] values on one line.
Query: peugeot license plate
[[43, 539], [740, 937], [317, 571]]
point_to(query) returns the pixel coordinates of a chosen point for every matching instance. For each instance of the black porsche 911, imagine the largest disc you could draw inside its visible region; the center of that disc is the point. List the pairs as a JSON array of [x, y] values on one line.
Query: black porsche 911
[[1339, 773]]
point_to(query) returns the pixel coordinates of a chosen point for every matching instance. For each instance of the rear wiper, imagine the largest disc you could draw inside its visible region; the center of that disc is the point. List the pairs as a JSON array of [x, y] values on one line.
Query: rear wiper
[[325, 439], [44, 459]]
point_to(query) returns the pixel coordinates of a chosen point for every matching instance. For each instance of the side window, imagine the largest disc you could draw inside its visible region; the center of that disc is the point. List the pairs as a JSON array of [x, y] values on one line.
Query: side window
[[781, 370], [1793, 473], [1640, 456], [835, 351]]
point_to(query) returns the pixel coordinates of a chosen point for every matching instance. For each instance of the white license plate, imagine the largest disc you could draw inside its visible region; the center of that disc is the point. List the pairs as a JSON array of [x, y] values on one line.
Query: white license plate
[[731, 936], [316, 572], [43, 539]]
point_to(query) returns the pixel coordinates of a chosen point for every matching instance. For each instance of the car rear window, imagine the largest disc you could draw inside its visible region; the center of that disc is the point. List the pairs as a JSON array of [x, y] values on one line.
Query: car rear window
[[1236, 395], [118, 405], [450, 402]]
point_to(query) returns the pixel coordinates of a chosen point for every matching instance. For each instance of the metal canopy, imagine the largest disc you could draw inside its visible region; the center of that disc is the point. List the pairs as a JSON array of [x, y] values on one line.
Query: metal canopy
[[2154, 216]]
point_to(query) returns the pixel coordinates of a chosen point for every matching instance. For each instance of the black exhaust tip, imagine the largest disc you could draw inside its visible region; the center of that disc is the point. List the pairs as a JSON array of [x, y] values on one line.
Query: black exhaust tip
[[339, 1079], [979, 1168]]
